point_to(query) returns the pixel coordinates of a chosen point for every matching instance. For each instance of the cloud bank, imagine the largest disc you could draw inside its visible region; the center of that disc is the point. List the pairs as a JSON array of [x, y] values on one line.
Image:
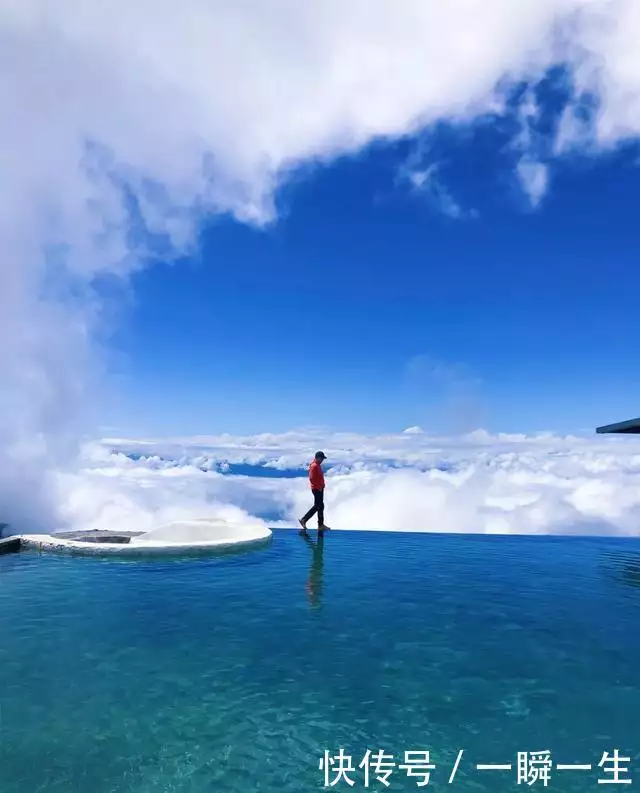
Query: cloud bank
[[508, 484], [125, 124]]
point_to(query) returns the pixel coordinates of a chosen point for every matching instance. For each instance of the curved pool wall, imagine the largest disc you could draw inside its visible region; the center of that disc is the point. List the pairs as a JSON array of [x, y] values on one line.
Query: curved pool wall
[[181, 538]]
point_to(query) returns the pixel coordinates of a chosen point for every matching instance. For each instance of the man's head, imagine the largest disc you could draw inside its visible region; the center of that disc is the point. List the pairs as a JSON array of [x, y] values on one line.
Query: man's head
[[320, 457]]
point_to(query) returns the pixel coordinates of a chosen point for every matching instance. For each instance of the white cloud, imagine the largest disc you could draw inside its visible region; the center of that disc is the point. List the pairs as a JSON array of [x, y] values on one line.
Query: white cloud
[[534, 177], [415, 482], [428, 182], [423, 174], [530, 170], [205, 106]]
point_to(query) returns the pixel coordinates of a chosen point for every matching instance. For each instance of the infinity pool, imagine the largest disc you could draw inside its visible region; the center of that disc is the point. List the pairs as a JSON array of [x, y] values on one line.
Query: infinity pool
[[239, 673]]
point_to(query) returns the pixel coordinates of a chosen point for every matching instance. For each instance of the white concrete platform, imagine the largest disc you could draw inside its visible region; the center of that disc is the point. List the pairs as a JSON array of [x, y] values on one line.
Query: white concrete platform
[[202, 535]]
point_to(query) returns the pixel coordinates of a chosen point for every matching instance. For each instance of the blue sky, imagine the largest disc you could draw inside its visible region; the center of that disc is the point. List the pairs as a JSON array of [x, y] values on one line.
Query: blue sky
[[452, 246], [367, 307]]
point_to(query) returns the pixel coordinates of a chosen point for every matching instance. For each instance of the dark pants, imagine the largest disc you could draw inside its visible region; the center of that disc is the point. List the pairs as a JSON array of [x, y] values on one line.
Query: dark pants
[[318, 506]]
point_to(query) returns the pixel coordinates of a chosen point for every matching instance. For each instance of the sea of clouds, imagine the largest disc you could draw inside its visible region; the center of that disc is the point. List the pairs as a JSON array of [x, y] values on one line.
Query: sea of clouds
[[127, 124], [410, 481]]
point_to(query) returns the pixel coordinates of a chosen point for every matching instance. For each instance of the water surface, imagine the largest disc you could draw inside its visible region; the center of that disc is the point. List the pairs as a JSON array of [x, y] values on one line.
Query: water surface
[[237, 673]]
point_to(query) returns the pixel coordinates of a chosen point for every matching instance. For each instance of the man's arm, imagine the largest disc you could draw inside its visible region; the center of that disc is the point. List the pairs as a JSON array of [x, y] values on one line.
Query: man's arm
[[316, 476]]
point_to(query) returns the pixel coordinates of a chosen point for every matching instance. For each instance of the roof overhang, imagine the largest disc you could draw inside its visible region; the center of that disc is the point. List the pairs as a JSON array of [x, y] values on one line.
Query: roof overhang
[[631, 427]]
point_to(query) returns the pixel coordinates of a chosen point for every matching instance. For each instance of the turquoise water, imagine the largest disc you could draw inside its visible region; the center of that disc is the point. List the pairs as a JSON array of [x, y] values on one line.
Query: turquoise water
[[237, 673]]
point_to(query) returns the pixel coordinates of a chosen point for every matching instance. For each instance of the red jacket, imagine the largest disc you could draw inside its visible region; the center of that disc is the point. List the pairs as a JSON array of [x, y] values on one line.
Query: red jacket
[[316, 477]]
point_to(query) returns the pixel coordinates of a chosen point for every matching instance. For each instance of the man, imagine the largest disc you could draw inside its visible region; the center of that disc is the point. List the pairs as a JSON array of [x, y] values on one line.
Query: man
[[316, 480]]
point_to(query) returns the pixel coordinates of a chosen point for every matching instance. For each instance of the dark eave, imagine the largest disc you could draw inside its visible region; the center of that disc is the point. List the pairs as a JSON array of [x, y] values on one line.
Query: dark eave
[[631, 427]]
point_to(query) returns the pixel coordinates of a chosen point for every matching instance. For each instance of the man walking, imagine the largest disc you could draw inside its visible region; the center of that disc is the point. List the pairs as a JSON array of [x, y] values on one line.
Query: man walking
[[316, 480]]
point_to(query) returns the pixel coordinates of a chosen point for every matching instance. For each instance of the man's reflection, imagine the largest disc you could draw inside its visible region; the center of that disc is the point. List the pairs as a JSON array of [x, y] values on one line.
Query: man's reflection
[[314, 582]]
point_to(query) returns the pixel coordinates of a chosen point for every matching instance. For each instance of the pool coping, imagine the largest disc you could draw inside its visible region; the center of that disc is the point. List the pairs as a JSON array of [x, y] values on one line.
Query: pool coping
[[49, 542]]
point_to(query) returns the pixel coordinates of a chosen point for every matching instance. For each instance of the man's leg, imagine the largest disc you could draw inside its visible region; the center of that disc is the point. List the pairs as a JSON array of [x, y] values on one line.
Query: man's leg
[[322, 526], [309, 515], [319, 505]]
